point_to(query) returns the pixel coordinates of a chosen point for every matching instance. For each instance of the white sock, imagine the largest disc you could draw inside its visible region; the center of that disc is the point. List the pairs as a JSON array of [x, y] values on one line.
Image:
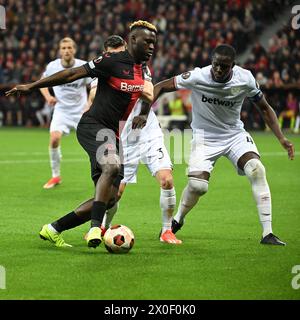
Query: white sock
[[255, 171], [187, 202], [109, 214], [50, 226], [167, 205], [55, 156]]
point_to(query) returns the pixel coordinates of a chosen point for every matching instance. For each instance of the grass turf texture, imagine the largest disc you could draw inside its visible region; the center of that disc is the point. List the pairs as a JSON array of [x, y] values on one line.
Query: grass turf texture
[[220, 257]]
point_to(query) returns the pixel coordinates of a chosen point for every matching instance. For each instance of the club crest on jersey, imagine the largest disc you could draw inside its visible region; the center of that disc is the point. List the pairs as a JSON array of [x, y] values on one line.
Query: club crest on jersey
[[186, 75], [235, 90]]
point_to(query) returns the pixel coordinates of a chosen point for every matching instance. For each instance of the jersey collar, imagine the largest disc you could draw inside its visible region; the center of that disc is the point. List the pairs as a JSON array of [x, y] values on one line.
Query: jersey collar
[[225, 80]]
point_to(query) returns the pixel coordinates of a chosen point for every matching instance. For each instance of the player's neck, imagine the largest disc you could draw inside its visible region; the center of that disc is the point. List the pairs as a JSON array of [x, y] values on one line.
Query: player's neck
[[130, 51], [67, 63], [223, 80]]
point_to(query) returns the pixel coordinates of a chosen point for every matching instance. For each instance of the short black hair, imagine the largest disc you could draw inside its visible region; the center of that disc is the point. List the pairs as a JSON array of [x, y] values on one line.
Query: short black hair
[[114, 41], [225, 50]]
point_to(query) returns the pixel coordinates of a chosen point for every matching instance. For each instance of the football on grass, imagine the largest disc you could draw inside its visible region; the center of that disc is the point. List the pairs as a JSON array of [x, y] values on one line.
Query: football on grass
[[118, 239]]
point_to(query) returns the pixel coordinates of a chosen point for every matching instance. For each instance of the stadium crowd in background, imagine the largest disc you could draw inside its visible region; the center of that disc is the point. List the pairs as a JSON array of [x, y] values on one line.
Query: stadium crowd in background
[[188, 31]]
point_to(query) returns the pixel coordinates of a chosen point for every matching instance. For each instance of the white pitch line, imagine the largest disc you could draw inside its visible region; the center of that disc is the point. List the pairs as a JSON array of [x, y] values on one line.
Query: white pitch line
[[38, 161], [26, 153], [74, 160]]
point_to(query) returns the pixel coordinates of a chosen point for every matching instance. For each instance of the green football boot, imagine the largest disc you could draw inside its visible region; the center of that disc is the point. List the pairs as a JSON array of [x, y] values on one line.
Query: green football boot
[[54, 237]]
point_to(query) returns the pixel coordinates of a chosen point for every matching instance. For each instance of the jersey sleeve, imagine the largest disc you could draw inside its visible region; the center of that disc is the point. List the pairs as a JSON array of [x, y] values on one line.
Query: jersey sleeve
[[47, 71], [187, 79], [100, 67], [94, 83], [147, 73], [254, 93], [88, 81]]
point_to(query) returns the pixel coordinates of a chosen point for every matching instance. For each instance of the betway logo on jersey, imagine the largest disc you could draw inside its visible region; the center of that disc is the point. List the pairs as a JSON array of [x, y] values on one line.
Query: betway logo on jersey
[[131, 87], [218, 101]]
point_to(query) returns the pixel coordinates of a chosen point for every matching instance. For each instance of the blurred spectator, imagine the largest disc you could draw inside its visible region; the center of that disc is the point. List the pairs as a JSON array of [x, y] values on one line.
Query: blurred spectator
[[33, 103], [290, 111], [177, 108], [187, 33], [12, 114]]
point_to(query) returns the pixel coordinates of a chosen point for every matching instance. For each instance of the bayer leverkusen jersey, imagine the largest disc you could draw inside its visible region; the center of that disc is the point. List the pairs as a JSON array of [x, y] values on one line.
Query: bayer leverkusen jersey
[[120, 84]]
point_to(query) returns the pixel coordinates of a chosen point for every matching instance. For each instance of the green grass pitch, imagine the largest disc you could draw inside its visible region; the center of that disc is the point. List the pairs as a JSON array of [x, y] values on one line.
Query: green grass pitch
[[220, 257]]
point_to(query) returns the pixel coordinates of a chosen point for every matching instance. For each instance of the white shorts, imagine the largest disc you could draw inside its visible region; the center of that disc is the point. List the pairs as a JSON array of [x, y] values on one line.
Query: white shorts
[[152, 153], [205, 154], [63, 123]]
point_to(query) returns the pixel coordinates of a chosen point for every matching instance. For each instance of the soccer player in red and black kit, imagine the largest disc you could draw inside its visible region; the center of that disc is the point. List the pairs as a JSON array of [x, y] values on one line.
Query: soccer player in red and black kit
[[121, 78]]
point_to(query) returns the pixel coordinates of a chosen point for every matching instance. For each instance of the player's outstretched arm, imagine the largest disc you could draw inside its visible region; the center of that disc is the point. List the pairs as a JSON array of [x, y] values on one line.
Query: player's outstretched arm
[[164, 86], [65, 76], [270, 118]]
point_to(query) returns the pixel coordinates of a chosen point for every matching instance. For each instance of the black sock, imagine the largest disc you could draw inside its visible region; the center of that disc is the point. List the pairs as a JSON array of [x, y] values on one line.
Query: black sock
[[69, 221], [97, 214]]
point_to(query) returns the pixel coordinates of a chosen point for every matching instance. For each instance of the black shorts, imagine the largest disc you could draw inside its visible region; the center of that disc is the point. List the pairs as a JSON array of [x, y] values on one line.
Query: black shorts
[[97, 140]]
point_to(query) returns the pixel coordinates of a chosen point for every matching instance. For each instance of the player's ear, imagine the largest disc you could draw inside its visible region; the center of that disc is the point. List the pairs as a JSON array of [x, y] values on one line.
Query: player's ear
[[133, 38]]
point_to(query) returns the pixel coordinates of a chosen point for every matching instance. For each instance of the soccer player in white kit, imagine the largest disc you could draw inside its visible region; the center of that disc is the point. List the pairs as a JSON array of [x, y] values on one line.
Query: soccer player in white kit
[[218, 92], [69, 102], [146, 145]]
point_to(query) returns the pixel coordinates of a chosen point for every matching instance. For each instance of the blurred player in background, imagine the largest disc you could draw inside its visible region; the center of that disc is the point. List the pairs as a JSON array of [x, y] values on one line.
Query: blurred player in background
[[218, 91], [148, 146], [69, 102]]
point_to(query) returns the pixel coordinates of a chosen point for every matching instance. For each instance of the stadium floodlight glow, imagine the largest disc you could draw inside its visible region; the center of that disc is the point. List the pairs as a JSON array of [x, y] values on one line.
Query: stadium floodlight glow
[[2, 18]]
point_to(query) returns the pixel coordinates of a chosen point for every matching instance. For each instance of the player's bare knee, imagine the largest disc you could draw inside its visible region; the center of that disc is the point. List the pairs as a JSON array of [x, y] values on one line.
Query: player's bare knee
[[111, 170], [254, 169], [166, 182], [54, 142], [110, 165], [197, 186]]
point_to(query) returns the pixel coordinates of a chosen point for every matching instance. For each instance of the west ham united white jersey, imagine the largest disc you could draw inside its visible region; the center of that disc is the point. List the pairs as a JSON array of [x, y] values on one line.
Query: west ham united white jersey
[[71, 97], [151, 130], [216, 106]]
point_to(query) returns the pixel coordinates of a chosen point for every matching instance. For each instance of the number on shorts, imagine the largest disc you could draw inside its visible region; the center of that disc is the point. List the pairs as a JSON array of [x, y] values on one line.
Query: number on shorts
[[249, 139], [161, 153]]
